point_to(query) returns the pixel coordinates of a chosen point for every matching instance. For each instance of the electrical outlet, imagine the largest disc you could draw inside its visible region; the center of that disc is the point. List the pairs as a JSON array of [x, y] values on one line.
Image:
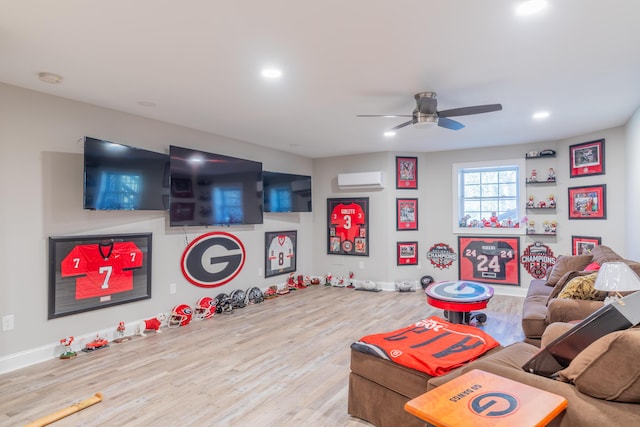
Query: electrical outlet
[[259, 272], [361, 265], [172, 288], [8, 322]]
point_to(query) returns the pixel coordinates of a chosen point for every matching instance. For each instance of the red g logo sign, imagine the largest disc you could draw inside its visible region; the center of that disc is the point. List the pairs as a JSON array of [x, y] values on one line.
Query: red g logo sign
[[213, 259]]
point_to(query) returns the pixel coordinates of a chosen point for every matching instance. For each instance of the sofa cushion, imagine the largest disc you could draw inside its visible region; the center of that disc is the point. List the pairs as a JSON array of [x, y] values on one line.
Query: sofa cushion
[[565, 264], [582, 287], [563, 281], [608, 368], [602, 254]]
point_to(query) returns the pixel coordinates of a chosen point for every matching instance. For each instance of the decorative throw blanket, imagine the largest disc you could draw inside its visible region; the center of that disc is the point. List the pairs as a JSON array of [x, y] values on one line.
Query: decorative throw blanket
[[433, 345]]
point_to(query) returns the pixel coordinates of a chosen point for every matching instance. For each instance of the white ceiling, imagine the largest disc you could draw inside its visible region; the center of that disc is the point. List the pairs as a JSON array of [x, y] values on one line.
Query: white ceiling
[[199, 61]]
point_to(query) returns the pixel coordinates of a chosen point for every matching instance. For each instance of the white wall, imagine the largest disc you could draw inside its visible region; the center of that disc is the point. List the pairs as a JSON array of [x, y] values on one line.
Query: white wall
[[633, 186], [41, 171], [435, 207]]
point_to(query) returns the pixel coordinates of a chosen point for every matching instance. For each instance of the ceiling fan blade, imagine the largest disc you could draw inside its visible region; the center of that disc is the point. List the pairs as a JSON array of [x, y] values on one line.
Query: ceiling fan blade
[[449, 124], [401, 125], [466, 111], [384, 115]]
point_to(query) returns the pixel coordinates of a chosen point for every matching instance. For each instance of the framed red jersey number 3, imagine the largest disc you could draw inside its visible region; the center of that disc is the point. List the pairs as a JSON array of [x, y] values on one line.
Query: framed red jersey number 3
[[489, 259], [348, 226]]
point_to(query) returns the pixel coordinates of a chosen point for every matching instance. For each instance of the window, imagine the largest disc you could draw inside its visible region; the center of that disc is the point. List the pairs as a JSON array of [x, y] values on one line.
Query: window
[[118, 191], [227, 203], [488, 197]]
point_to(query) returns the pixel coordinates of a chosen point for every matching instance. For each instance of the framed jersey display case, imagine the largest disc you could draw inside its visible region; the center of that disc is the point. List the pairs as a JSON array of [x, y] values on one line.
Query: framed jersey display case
[[280, 257], [348, 226], [93, 272], [489, 259]]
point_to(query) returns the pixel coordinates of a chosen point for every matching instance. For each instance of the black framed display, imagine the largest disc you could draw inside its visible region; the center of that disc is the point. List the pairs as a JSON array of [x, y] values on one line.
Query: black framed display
[[280, 255], [92, 272], [489, 259], [348, 226]]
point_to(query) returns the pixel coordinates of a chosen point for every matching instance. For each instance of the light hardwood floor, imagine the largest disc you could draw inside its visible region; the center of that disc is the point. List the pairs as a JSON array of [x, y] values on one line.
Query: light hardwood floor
[[284, 362]]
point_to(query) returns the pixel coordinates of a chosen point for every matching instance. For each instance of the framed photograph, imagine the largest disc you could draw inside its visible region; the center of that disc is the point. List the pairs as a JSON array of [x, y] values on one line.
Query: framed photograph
[[582, 245], [407, 253], [92, 272], [406, 214], [348, 226], [587, 158], [407, 172], [588, 202], [280, 252], [489, 259]]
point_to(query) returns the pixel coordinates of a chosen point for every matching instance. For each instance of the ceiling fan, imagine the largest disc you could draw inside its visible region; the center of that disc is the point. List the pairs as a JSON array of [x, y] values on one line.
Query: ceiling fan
[[426, 113]]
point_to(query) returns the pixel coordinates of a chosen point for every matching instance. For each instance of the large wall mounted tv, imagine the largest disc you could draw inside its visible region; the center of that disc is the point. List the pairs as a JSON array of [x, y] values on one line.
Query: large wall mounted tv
[[285, 192], [213, 189], [119, 177]]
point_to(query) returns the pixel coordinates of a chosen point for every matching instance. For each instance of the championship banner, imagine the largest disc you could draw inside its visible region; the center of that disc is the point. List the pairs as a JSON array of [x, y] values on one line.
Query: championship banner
[[489, 259], [441, 255], [348, 226], [432, 345], [537, 259]]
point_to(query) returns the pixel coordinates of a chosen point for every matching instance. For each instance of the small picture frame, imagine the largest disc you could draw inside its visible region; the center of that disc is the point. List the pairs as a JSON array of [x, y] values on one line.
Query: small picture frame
[[582, 245], [588, 202], [586, 159], [280, 252], [406, 214], [407, 173], [407, 253]]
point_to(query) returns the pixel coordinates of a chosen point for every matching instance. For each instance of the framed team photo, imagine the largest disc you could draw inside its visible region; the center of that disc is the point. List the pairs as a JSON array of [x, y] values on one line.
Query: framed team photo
[[582, 245], [587, 158], [406, 214], [348, 226], [93, 272], [588, 202], [280, 255], [407, 172], [494, 260], [407, 253]]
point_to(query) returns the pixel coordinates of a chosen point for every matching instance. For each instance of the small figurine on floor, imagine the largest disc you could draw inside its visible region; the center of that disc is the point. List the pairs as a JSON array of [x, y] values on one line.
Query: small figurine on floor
[[152, 324], [68, 354], [96, 344], [120, 329], [351, 281], [327, 279]]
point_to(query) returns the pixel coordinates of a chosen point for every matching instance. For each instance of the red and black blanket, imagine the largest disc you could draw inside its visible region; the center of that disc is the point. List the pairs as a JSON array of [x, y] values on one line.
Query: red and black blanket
[[433, 345]]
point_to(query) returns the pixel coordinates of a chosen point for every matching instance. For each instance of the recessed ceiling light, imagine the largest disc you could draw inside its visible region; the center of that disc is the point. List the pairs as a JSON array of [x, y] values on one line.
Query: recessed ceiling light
[[541, 115], [50, 78], [530, 7], [147, 103], [271, 73], [389, 133]]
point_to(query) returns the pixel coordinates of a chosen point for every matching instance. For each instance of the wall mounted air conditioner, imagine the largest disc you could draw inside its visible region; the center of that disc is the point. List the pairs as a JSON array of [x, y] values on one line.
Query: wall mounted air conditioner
[[361, 180]]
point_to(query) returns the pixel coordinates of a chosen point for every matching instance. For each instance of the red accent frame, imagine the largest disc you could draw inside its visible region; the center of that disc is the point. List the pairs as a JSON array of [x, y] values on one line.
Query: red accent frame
[[407, 173]]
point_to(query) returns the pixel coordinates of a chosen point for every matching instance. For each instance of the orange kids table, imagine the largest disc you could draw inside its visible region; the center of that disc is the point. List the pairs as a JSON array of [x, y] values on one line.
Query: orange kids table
[[480, 399]]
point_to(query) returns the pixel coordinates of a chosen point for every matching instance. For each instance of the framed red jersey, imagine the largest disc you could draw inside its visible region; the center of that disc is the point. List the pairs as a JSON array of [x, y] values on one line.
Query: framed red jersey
[[489, 259], [348, 226], [92, 272]]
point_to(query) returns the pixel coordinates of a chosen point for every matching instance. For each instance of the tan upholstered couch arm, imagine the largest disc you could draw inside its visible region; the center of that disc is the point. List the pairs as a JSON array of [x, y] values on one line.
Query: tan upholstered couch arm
[[566, 309]]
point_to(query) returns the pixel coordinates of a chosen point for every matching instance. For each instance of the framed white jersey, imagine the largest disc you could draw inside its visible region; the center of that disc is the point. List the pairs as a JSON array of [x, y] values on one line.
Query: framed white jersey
[[280, 256]]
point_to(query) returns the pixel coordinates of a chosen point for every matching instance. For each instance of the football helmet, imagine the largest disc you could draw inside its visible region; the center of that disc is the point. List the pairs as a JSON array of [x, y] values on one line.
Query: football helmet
[[180, 316], [224, 304], [254, 295], [238, 298], [205, 308]]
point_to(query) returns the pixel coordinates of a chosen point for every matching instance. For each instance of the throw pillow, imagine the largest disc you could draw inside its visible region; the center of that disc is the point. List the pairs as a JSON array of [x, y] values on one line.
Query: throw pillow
[[566, 263], [563, 281], [594, 266], [609, 368], [581, 287]]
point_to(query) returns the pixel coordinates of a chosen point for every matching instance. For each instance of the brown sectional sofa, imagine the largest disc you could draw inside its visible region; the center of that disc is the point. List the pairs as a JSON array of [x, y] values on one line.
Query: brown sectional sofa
[[378, 388], [541, 308]]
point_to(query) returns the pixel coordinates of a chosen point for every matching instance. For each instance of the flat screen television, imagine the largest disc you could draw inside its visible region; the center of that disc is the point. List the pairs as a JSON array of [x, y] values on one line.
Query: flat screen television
[[285, 192], [120, 177], [213, 189]]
